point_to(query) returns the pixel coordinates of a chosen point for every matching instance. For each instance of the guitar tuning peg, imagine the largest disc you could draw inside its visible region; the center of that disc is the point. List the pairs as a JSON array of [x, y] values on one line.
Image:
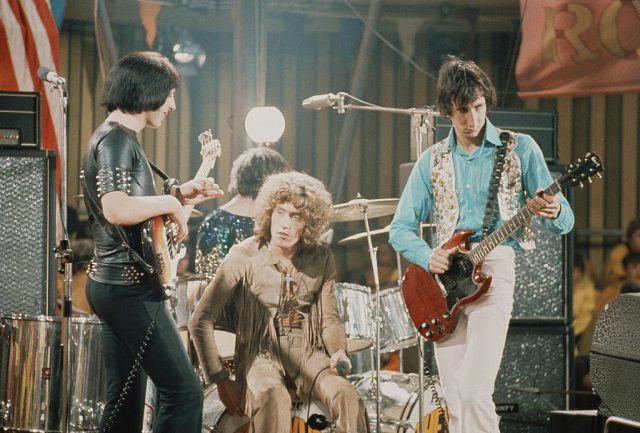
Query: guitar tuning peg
[[580, 184], [600, 175], [579, 160], [589, 179]]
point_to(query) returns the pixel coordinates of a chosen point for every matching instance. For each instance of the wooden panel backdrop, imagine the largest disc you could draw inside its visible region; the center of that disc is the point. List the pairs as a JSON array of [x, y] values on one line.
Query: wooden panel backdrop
[[303, 63]]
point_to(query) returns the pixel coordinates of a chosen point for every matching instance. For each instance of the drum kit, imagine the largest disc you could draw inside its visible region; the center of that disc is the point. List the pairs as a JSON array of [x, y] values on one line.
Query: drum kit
[[376, 322], [395, 400], [30, 386]]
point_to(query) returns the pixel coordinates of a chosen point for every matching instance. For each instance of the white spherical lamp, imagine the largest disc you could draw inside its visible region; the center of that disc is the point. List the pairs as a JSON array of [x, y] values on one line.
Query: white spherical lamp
[[264, 125]]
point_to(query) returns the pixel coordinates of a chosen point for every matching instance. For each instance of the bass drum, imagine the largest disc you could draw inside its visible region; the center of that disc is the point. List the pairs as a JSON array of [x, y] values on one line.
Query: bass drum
[[216, 419], [399, 398], [31, 361]]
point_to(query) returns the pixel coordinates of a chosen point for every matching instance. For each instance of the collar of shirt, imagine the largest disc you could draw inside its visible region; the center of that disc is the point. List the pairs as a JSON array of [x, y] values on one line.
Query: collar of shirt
[[490, 141]]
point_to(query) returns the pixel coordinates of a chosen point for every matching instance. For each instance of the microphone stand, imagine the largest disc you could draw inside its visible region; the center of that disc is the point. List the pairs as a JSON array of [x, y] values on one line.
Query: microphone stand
[[420, 117], [65, 255]]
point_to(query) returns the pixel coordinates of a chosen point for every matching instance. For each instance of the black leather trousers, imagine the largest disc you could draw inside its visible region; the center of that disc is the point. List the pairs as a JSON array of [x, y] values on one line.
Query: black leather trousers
[[133, 319]]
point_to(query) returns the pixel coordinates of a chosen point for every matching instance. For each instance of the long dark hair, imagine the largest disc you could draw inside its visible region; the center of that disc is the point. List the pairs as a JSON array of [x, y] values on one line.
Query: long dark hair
[[140, 81], [462, 82]]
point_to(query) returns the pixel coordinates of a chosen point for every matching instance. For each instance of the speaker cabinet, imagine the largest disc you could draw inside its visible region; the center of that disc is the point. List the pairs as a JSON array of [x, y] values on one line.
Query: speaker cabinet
[[534, 377], [20, 119], [615, 357], [27, 224]]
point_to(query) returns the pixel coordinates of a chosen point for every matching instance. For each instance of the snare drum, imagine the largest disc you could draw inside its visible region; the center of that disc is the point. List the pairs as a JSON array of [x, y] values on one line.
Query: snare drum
[[216, 419], [396, 328], [31, 361], [399, 411], [354, 309]]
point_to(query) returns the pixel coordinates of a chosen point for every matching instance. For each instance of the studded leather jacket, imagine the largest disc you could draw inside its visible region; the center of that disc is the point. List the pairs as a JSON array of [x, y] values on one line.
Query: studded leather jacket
[[115, 161]]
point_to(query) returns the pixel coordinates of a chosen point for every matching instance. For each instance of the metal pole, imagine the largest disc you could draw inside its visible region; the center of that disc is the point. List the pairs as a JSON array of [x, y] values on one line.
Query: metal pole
[[358, 85], [376, 280], [66, 257]]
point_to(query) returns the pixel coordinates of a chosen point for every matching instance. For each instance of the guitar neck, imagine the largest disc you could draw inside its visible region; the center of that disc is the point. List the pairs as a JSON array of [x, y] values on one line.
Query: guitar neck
[[509, 227], [203, 171]]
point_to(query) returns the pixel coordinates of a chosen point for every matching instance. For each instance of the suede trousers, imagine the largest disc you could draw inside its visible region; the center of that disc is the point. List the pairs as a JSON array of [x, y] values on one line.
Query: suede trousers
[[270, 392]]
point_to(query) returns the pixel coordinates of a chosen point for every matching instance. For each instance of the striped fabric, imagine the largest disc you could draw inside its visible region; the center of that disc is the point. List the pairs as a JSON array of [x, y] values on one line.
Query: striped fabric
[[29, 40]]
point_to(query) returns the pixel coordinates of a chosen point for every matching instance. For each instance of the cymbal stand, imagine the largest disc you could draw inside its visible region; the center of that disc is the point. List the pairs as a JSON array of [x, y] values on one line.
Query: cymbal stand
[[376, 279], [399, 265], [421, 120]]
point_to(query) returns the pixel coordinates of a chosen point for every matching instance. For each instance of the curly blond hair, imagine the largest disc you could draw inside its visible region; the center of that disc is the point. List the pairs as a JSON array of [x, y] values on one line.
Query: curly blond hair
[[306, 193]]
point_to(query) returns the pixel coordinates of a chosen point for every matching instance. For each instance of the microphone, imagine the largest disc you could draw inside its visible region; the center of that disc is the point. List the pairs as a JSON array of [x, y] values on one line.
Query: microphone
[[318, 422], [50, 76], [343, 368], [318, 102]]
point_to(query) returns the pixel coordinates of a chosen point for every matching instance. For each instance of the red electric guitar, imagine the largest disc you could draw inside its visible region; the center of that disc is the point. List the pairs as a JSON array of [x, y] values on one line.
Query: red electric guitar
[[433, 301], [159, 246]]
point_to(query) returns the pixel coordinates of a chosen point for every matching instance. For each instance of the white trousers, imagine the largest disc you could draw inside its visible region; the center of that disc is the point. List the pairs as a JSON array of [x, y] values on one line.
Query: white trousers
[[468, 361]]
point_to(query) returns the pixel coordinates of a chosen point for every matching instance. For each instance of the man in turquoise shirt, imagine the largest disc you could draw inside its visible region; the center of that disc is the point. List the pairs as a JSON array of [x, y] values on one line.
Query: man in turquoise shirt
[[451, 179]]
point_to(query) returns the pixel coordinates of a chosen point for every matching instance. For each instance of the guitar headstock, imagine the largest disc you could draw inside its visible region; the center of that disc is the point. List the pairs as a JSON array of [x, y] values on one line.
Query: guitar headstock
[[210, 148], [582, 169]]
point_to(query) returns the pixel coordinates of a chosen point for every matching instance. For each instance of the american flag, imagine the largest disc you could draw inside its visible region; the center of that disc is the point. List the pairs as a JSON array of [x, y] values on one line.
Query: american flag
[[29, 40]]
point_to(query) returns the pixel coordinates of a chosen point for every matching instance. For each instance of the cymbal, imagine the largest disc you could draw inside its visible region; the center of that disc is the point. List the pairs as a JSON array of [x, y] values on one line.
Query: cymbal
[[363, 235], [353, 210]]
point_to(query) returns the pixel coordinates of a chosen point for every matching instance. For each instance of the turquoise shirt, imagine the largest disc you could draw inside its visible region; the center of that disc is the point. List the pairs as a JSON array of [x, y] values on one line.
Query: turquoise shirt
[[472, 173]]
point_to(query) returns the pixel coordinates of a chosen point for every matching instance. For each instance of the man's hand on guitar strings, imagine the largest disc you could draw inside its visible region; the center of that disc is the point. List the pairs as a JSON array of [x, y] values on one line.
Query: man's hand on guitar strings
[[440, 260], [198, 190], [544, 205]]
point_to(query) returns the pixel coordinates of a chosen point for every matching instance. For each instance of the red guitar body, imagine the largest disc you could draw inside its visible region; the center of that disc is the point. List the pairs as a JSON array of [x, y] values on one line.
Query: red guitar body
[[433, 302]]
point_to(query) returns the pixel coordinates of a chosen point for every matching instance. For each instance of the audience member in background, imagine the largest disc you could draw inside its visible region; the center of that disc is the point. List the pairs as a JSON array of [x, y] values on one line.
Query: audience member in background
[[585, 296], [631, 265], [629, 282], [233, 222], [614, 269]]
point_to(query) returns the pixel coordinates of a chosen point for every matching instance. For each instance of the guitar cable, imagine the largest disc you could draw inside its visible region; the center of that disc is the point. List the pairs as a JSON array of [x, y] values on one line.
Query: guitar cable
[[131, 377], [431, 384]]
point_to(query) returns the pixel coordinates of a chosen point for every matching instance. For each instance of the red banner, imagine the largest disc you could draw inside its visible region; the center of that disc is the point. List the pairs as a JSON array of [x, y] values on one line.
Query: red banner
[[579, 47]]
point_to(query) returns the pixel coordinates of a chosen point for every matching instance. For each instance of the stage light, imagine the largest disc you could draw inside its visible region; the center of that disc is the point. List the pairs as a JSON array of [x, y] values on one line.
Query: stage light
[[264, 125], [188, 55]]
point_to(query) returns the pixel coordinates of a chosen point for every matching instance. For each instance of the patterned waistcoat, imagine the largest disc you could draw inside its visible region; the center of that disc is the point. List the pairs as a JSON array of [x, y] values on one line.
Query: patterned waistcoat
[[511, 196]]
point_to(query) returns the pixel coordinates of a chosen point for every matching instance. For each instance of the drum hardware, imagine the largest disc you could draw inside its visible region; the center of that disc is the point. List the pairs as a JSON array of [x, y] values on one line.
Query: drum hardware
[[353, 210], [383, 230], [399, 397], [31, 380]]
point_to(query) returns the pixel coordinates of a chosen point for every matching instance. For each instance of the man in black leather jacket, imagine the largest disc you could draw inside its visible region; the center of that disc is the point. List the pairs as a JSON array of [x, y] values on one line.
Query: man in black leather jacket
[[120, 195]]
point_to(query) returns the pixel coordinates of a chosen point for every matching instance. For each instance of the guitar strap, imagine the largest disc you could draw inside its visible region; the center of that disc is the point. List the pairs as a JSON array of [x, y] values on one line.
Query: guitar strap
[[169, 182], [494, 184]]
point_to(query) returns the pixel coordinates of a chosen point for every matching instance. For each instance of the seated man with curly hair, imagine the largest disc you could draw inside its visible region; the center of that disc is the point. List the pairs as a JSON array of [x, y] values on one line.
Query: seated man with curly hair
[[290, 339]]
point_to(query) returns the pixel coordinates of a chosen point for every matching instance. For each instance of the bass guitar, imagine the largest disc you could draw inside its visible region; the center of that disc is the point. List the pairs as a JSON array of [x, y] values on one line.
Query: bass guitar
[[160, 248], [434, 301]]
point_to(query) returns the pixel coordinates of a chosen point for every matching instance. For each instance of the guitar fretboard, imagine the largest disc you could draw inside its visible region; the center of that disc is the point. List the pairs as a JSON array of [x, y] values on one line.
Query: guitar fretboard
[[509, 227]]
